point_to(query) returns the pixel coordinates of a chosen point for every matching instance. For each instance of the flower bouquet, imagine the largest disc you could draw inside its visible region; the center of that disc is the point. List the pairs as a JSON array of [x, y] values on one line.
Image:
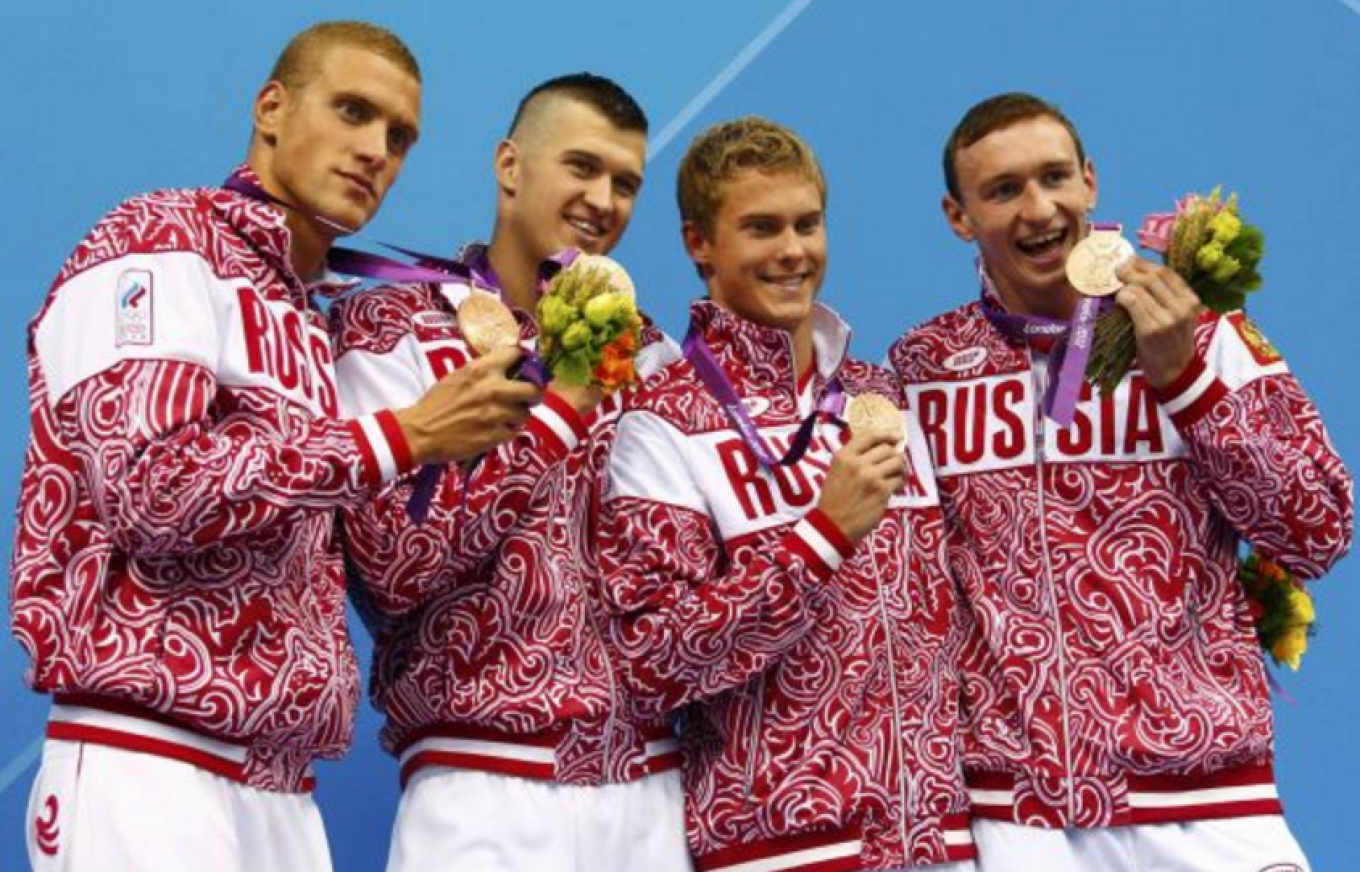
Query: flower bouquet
[[589, 323], [1208, 245], [1281, 607]]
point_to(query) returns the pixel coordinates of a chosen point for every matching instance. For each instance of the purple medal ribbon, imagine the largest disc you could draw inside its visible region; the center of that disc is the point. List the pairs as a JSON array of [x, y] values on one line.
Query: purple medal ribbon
[[1068, 359], [710, 372], [428, 269], [532, 369], [432, 269]]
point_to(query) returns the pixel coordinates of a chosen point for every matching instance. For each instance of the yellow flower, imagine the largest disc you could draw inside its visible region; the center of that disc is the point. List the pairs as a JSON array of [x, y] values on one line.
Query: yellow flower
[[1301, 605], [1225, 226], [1290, 647]]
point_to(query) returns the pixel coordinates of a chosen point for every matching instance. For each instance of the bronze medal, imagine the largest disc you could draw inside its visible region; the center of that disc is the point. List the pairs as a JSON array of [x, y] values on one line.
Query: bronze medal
[[875, 415], [1091, 265], [486, 323]]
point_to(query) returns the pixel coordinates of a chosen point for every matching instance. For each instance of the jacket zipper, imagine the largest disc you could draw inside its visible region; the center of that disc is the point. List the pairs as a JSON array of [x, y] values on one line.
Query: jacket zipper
[[753, 747], [1040, 386], [904, 781]]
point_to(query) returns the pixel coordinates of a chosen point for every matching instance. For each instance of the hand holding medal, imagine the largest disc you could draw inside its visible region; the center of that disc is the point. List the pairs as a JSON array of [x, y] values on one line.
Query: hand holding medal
[[1209, 246]]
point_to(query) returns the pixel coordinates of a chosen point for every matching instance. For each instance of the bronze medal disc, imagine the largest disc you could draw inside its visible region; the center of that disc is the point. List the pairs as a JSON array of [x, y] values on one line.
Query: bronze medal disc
[[486, 323], [875, 415], [1091, 265]]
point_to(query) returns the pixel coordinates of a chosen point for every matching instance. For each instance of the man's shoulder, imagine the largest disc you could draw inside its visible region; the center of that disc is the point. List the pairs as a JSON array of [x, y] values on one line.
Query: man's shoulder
[[862, 377], [157, 222], [378, 318], [675, 394], [936, 340]]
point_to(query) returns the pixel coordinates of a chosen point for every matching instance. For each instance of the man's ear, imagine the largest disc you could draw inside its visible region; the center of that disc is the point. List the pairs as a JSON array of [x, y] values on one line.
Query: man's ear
[[269, 110], [957, 217], [1088, 175], [507, 165], [698, 247]]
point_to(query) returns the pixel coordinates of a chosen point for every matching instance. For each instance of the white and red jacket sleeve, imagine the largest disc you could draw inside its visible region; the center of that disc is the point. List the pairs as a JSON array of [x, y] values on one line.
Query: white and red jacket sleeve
[[181, 437], [380, 363], [1265, 455], [687, 620]]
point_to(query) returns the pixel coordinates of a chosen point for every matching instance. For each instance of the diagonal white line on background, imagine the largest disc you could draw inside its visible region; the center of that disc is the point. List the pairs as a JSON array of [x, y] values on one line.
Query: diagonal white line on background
[[1352, 5], [730, 72], [20, 764]]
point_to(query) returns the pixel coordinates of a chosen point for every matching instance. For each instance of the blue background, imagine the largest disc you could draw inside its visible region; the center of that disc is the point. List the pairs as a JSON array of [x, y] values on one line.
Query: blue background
[[108, 99]]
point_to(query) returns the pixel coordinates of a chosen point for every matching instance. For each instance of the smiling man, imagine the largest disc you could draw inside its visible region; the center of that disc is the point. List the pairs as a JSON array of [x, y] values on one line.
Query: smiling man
[[1119, 711], [798, 616], [518, 748], [174, 578]]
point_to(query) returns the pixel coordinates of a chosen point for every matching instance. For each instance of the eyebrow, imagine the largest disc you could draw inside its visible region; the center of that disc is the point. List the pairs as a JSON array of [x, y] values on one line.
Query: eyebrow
[[592, 157]]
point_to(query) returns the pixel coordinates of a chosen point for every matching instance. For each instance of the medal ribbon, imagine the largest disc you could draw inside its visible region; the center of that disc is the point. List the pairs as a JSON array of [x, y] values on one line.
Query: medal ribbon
[[710, 372], [429, 269], [1067, 361], [532, 369]]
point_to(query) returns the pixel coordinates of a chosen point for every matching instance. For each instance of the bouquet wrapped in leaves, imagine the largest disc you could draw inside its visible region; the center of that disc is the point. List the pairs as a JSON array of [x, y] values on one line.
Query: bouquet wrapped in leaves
[[1206, 242], [589, 323], [1283, 610]]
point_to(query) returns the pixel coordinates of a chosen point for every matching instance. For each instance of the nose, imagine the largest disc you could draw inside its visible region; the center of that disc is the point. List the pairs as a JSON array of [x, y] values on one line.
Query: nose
[[599, 193], [1038, 206], [371, 146], [792, 247]]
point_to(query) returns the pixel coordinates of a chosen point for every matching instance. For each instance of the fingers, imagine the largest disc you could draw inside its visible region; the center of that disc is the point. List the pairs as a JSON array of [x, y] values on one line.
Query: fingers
[[501, 359]]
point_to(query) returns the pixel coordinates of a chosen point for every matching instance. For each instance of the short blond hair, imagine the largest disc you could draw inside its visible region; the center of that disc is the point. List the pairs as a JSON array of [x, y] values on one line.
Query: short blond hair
[[301, 58], [730, 149]]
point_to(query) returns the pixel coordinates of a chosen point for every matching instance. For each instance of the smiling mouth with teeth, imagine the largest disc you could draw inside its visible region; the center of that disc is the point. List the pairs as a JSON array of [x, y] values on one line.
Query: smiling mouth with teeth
[[587, 227], [1038, 246]]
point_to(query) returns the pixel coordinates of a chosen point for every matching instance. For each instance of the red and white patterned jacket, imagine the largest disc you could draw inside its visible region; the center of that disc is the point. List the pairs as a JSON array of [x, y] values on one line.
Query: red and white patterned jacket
[[821, 730], [488, 638], [1113, 675], [174, 579]]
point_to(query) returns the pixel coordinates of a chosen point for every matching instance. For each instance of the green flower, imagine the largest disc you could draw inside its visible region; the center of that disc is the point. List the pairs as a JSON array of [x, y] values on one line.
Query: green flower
[[1210, 255], [600, 310], [578, 335], [555, 315], [1226, 268]]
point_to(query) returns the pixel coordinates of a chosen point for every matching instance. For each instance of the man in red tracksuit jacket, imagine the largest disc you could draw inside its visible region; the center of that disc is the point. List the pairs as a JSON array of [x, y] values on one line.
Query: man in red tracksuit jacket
[[799, 616], [1118, 706], [174, 579], [517, 747]]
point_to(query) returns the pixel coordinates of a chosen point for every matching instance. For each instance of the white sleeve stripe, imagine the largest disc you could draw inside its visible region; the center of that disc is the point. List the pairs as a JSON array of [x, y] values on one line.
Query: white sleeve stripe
[[382, 451], [1190, 394], [554, 422], [819, 544]]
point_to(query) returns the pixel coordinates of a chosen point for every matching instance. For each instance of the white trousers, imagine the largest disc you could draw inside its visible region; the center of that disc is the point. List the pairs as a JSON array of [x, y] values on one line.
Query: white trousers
[[94, 808], [1247, 844], [460, 820]]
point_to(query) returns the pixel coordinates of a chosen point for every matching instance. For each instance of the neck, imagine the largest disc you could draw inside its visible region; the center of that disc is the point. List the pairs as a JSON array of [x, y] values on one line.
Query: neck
[[803, 354], [517, 270], [308, 247], [1058, 303]]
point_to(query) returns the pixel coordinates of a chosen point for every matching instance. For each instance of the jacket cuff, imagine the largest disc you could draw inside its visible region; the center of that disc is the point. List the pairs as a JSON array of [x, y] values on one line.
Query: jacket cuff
[[556, 423], [1191, 395], [383, 449], [820, 543]]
